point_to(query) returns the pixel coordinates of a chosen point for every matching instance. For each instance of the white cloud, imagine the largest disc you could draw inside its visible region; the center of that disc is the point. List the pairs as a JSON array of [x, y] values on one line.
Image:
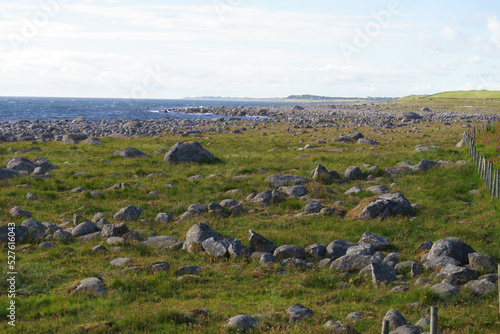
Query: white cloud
[[494, 28]]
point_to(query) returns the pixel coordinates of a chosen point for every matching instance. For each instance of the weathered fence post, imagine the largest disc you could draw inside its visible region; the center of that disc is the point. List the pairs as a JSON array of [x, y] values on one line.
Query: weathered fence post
[[434, 320], [385, 327]]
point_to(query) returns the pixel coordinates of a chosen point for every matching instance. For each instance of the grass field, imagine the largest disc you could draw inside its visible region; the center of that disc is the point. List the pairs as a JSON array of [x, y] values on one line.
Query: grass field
[[145, 302]]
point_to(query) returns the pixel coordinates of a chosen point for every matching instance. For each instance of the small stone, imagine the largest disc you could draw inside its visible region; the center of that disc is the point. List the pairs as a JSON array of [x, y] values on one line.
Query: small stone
[[160, 266], [299, 312], [241, 321], [92, 285], [120, 261]]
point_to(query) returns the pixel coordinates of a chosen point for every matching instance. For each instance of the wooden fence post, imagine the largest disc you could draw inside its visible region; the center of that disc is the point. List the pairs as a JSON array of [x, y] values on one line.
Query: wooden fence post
[[434, 320], [385, 327]]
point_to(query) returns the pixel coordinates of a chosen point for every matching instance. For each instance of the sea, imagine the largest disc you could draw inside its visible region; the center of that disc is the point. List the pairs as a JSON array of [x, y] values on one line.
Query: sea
[[93, 109]]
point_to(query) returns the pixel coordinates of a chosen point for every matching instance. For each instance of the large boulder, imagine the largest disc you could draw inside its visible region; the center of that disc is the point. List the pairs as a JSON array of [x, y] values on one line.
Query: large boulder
[[482, 262], [188, 152], [21, 164], [387, 205], [7, 173], [451, 247], [196, 235], [354, 173]]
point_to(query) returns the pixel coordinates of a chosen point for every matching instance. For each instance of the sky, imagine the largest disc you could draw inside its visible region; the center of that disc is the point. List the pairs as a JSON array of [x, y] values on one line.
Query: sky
[[175, 49]]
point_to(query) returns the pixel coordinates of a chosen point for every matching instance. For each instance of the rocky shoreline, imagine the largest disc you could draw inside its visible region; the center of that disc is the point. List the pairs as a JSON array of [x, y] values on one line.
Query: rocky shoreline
[[318, 116]]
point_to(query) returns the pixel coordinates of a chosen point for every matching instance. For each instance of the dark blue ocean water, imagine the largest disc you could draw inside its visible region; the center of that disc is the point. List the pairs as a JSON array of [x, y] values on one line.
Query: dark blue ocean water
[[92, 109]]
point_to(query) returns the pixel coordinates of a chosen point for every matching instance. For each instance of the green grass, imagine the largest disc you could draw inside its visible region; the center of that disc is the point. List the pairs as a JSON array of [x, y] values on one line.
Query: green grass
[[142, 301]]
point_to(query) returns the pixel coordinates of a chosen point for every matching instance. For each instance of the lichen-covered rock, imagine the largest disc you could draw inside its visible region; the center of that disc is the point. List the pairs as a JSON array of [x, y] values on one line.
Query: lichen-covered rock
[[451, 247], [338, 248], [92, 285], [349, 263], [445, 289], [21, 164], [354, 173], [260, 244], [130, 213], [241, 321], [482, 262], [196, 235], [387, 205], [378, 242], [395, 318], [456, 275]]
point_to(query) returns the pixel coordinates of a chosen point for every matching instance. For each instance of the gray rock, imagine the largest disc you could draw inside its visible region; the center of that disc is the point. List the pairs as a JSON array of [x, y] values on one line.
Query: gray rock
[[265, 198], [354, 173], [445, 289], [196, 235], [237, 250], [260, 244], [279, 180], [299, 312], [289, 251], [316, 250], [313, 207], [424, 322], [378, 242], [415, 268], [482, 262], [349, 263], [114, 230], [354, 190], [115, 241], [20, 233], [7, 173], [163, 217], [161, 241], [440, 261], [227, 203], [215, 247], [298, 191], [387, 205], [84, 228], [365, 249], [395, 318], [34, 225], [90, 237], [130, 152], [320, 173], [17, 212], [21, 164], [61, 234], [481, 287], [241, 321], [366, 141], [92, 285], [99, 248], [337, 327], [378, 189], [456, 275], [120, 261], [188, 152], [338, 248], [160, 266], [130, 213], [47, 245], [406, 329], [198, 208], [267, 258], [452, 247], [428, 163], [355, 316], [493, 278], [382, 274], [189, 269], [426, 245], [392, 259], [214, 207]]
